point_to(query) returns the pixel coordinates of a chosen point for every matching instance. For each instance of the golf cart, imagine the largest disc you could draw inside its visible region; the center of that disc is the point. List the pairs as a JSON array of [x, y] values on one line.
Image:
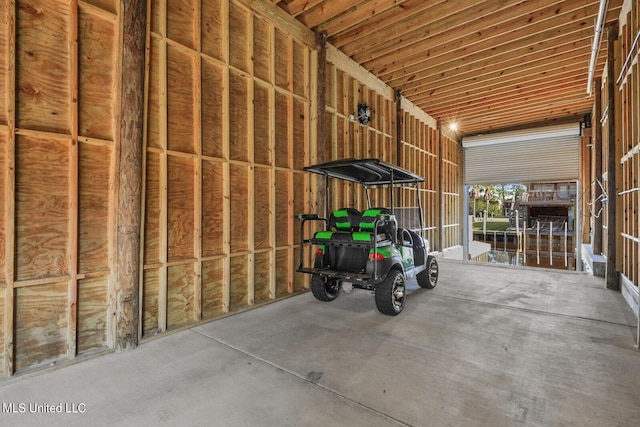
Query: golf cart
[[379, 249]]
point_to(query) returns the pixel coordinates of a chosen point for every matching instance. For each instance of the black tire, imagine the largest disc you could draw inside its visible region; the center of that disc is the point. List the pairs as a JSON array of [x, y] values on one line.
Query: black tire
[[390, 294], [324, 289], [428, 278]]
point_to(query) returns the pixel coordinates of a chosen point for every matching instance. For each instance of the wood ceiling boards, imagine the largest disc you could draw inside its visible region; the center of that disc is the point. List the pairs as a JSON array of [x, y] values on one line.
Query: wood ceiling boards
[[488, 65]]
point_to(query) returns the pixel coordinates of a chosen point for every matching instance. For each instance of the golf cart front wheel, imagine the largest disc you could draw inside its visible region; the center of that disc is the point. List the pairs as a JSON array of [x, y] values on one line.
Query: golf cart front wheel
[[323, 288], [390, 294]]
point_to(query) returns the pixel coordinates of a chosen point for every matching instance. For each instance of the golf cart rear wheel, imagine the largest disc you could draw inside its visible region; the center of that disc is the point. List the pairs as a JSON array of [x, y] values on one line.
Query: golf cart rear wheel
[[390, 294], [323, 288], [428, 278]]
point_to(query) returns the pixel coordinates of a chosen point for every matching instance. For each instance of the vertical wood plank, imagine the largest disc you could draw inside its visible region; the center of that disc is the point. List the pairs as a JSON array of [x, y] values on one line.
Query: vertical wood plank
[[612, 279], [73, 182], [597, 195], [9, 191]]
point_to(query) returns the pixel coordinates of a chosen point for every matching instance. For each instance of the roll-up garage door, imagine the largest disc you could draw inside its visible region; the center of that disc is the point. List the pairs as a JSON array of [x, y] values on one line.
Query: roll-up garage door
[[534, 155]]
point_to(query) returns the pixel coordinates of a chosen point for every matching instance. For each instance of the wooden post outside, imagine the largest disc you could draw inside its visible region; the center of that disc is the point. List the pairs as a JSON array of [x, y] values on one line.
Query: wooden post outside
[[321, 47], [612, 281], [134, 13], [597, 175]]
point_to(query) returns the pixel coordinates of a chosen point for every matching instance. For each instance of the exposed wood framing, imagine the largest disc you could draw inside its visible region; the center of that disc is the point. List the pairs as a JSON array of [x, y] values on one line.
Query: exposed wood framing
[[597, 178], [9, 195], [321, 102], [72, 287], [629, 152], [612, 275]]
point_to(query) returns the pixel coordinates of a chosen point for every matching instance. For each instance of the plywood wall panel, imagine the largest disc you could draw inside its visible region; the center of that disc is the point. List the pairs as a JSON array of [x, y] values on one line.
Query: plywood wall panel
[[97, 59], [284, 271], [239, 282], [262, 208], [239, 226], [180, 211], [235, 110], [150, 302], [181, 26], [93, 208], [283, 155], [299, 279], [212, 112], [41, 324], [239, 22], [3, 199], [212, 211], [300, 120], [180, 304], [153, 97], [282, 208], [262, 50], [262, 126], [152, 209], [180, 100], [340, 103], [92, 313], [2, 327], [154, 19], [43, 77], [212, 29], [299, 69], [42, 208], [4, 67], [238, 117], [262, 277], [212, 287], [299, 201], [282, 55]]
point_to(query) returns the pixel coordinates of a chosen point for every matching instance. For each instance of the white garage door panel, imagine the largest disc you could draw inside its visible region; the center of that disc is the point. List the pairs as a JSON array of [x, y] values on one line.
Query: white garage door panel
[[533, 157]]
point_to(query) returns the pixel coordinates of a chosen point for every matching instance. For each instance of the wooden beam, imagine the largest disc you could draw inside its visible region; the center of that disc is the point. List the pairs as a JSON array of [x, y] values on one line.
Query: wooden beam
[[10, 195], [597, 173], [321, 48], [74, 168], [134, 14], [399, 126], [612, 275]]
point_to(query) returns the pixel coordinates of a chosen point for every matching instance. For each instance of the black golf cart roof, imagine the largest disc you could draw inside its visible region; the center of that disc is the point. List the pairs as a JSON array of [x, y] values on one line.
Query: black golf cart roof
[[366, 171]]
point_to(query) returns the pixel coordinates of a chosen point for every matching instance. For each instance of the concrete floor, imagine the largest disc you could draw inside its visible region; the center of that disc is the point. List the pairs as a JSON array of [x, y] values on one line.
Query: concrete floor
[[490, 346]]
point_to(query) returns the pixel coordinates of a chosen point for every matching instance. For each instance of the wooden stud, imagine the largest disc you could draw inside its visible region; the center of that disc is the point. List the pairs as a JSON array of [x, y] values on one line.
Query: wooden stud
[[612, 277], [10, 195], [197, 184], [597, 178], [72, 309]]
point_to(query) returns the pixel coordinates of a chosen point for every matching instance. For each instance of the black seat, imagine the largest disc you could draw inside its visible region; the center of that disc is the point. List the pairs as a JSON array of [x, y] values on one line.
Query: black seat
[[344, 219]]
